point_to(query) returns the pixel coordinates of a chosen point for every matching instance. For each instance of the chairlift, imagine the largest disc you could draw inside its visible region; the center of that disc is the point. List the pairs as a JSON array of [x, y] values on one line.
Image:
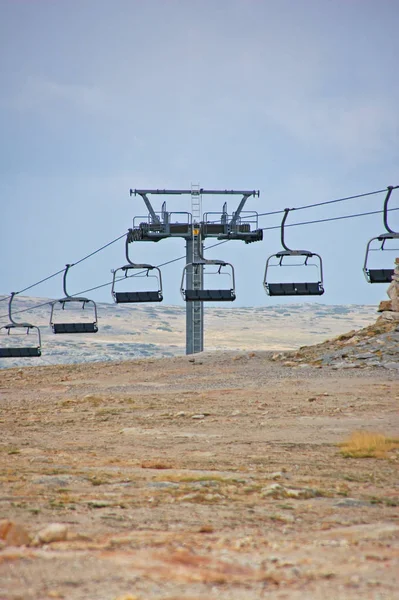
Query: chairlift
[[196, 293], [20, 351], [306, 288], [71, 327], [140, 296], [383, 275]]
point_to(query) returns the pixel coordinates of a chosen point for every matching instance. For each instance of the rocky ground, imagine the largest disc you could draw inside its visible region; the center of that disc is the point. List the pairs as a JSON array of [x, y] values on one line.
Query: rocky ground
[[374, 346], [214, 476]]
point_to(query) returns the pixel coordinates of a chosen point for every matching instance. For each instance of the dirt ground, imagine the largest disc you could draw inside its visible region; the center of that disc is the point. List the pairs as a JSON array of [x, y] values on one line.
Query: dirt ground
[[218, 476]]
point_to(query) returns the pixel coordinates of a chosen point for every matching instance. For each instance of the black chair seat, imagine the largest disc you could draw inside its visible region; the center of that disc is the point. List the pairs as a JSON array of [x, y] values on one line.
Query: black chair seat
[[209, 295], [380, 275], [75, 327], [19, 352], [295, 289], [125, 297]]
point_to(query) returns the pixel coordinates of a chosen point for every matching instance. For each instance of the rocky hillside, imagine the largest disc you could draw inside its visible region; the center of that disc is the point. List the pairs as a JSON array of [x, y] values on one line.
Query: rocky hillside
[[376, 345]]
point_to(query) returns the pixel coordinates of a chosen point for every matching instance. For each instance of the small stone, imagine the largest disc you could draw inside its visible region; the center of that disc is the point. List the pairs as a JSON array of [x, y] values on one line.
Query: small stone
[[390, 365], [201, 416], [55, 532], [283, 517], [162, 484], [275, 490], [303, 493], [351, 502], [276, 475], [53, 480], [181, 413]]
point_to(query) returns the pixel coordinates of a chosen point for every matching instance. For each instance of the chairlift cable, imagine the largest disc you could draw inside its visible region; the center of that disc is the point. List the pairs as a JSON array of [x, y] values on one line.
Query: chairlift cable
[[376, 212], [183, 257], [61, 271], [324, 203], [279, 212], [99, 249]]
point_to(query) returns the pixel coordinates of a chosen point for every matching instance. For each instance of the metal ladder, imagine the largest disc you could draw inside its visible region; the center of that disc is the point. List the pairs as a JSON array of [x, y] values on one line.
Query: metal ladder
[[198, 307]]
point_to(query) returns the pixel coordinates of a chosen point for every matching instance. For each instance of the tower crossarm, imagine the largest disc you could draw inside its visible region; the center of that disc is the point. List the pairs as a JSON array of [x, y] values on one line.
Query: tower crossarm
[[143, 194]]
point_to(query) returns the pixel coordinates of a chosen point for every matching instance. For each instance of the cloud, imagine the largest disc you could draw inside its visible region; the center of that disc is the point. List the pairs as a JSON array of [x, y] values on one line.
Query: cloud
[[40, 94], [355, 128]]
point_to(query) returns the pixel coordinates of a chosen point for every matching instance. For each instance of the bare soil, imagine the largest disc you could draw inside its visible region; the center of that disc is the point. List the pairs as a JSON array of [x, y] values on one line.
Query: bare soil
[[218, 476]]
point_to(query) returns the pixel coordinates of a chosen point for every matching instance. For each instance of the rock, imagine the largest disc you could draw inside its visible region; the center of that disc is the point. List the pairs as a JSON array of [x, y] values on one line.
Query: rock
[[384, 305], [390, 365], [278, 491], [303, 493], [283, 517], [53, 480], [55, 532], [351, 502], [275, 490], [277, 475], [13, 534], [390, 316], [198, 416], [162, 484]]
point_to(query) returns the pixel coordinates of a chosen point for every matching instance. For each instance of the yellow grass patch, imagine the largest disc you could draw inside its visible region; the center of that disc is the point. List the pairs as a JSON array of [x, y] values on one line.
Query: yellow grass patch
[[366, 444]]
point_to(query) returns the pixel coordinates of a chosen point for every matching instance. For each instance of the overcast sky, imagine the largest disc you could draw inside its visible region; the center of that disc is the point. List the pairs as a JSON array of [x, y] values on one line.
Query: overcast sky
[[295, 98]]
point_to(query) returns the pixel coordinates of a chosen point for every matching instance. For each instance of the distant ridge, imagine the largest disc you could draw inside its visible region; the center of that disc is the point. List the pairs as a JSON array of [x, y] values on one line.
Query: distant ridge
[[147, 330]]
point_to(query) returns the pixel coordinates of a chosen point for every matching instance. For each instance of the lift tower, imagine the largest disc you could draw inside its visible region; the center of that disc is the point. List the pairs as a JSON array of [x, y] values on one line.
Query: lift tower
[[194, 227]]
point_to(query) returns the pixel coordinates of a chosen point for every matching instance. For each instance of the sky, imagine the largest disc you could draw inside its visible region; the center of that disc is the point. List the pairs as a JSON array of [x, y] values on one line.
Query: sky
[[295, 98]]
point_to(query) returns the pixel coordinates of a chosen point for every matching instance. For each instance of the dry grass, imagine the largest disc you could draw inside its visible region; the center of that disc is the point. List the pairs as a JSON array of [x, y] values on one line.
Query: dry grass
[[366, 444], [155, 464]]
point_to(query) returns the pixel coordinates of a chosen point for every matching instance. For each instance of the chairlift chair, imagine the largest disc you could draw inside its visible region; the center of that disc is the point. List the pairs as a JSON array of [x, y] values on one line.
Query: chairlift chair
[[140, 296], [383, 275], [208, 295], [71, 327], [20, 351], [306, 288]]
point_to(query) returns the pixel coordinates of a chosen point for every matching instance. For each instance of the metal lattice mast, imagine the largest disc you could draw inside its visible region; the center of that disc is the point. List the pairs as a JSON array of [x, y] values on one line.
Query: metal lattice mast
[[195, 275], [194, 228]]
